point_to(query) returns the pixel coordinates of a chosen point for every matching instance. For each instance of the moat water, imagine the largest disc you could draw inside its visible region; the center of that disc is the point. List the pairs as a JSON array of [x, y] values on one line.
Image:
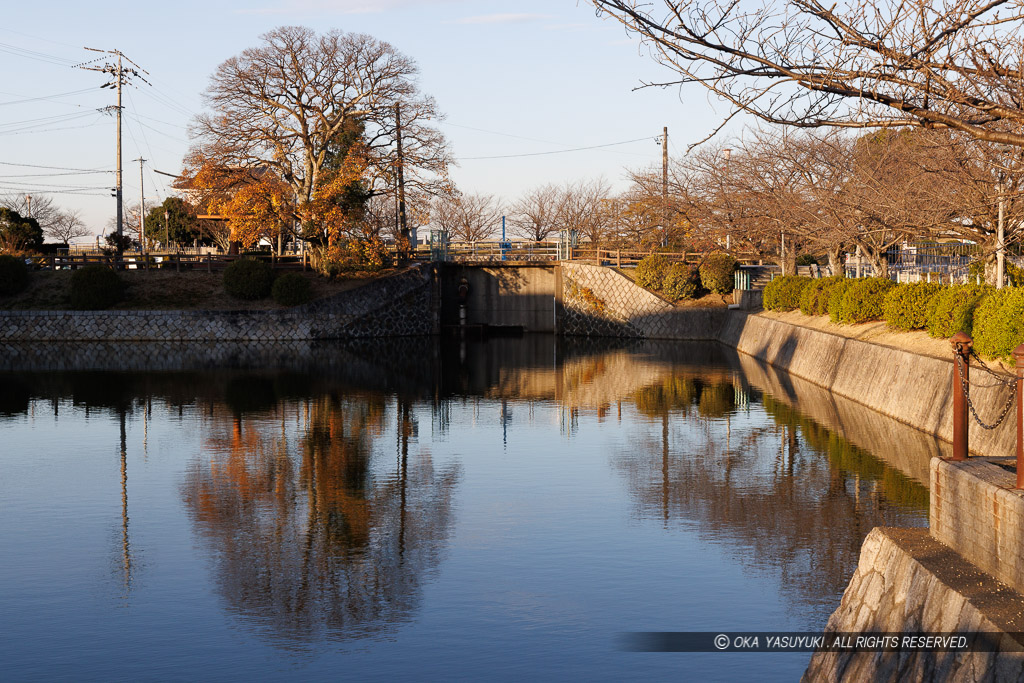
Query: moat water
[[499, 510]]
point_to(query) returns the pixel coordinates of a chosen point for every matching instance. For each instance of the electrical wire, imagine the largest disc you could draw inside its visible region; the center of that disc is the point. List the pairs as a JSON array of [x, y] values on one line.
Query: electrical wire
[[47, 120], [83, 192], [38, 56], [55, 168], [45, 97], [47, 130], [49, 175], [494, 132], [557, 151]]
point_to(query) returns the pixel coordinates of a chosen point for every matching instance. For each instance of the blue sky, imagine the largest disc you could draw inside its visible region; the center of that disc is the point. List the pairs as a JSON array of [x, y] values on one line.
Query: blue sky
[[511, 78]]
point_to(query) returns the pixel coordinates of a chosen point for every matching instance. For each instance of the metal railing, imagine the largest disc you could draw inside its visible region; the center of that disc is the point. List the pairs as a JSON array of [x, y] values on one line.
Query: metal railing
[[964, 408], [154, 261]]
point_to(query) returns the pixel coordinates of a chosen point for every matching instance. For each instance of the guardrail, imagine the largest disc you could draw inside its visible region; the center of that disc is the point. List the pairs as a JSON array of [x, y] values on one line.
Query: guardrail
[[158, 261], [482, 251]]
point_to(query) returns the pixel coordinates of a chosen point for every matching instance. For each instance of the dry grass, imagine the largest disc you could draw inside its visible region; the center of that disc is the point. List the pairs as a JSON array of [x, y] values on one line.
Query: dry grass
[[159, 290]]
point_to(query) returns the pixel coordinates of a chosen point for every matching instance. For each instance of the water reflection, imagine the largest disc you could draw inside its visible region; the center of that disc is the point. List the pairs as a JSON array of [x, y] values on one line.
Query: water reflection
[[324, 514], [765, 486], [308, 539]]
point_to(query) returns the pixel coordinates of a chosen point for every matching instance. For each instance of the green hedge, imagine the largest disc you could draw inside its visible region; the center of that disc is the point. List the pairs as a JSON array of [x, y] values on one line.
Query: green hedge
[[783, 293], [952, 310], [863, 300], [292, 289], [999, 323], [716, 273], [906, 306], [248, 279], [651, 270], [835, 297], [681, 281], [95, 288], [13, 275], [814, 300]]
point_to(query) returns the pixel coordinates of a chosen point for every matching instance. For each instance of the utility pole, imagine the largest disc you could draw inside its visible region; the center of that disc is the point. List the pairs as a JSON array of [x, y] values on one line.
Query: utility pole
[[402, 226], [664, 187], [1000, 238], [119, 75], [28, 201], [142, 207]]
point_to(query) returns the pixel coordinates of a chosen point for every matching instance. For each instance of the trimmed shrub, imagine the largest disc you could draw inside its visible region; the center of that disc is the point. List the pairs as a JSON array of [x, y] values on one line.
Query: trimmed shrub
[[952, 310], [716, 273], [906, 306], [783, 293], [681, 281], [863, 300], [999, 323], [1014, 275], [248, 279], [814, 300], [13, 275], [95, 288], [835, 297], [291, 289], [651, 270]]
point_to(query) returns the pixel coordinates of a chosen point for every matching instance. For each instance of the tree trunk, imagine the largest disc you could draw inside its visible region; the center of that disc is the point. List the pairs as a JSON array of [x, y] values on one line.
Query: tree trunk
[[835, 261]]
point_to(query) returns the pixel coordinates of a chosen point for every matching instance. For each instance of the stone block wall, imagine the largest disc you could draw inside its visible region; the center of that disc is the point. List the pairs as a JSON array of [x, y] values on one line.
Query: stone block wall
[[601, 302], [908, 582], [399, 305], [977, 512], [909, 387]]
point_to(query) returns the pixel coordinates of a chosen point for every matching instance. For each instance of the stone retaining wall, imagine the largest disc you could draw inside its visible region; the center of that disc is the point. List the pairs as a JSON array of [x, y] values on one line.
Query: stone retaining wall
[[907, 581], [913, 389], [399, 305], [977, 512], [601, 302]]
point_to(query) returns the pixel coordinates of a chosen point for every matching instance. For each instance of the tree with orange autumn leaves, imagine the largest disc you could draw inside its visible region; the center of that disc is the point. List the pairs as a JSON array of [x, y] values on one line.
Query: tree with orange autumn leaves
[[303, 131]]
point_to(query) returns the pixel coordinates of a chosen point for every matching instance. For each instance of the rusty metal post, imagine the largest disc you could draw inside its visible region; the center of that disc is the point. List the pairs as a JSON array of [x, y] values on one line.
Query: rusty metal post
[[1018, 359], [962, 344]]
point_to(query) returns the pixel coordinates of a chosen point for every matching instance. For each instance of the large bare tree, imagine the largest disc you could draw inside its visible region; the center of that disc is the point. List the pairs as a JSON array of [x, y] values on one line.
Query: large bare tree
[[319, 115], [952, 64]]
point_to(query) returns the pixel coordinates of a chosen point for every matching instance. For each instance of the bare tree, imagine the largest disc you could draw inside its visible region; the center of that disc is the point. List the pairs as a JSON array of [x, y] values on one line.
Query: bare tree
[[586, 206], [66, 227], [535, 215], [950, 64], [317, 114], [43, 210], [468, 217]]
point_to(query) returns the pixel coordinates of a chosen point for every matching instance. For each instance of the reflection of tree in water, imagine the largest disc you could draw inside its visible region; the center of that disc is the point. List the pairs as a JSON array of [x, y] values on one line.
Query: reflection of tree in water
[[319, 543], [784, 506]]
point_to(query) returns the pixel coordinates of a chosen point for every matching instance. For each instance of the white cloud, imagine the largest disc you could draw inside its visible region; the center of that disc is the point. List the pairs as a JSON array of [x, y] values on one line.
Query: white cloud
[[502, 19], [571, 28], [341, 6]]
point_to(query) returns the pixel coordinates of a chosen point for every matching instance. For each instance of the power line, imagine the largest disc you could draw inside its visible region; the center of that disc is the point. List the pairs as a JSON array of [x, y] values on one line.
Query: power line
[[82, 192], [494, 132], [38, 56], [49, 175], [47, 120], [557, 151], [30, 131], [54, 168], [44, 97]]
